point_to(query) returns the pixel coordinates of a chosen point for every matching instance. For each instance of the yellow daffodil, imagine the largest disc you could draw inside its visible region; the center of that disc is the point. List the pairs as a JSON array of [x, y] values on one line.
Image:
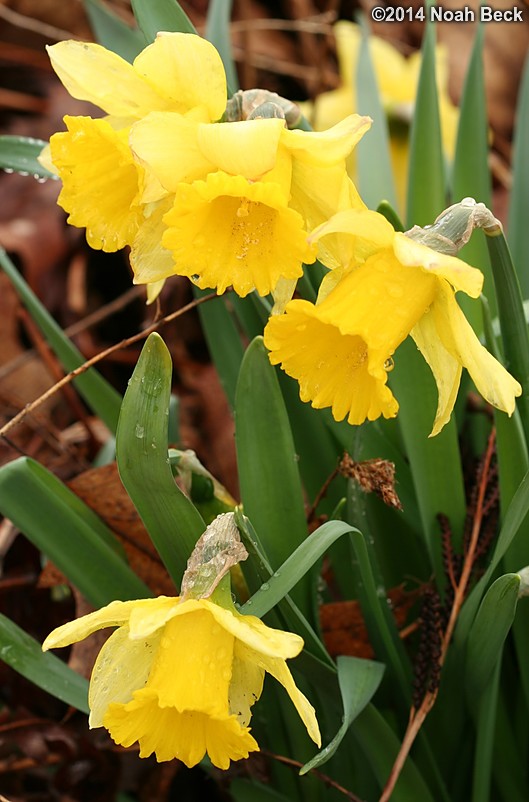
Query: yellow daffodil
[[180, 677], [397, 78], [245, 195], [104, 188], [341, 348]]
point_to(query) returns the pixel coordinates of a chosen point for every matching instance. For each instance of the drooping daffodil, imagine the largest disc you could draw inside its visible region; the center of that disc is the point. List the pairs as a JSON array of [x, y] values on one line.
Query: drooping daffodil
[[180, 675], [340, 349]]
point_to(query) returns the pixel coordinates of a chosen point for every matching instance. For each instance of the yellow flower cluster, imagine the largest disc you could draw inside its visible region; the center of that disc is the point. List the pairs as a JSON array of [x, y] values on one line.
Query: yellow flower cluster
[[227, 204], [245, 204]]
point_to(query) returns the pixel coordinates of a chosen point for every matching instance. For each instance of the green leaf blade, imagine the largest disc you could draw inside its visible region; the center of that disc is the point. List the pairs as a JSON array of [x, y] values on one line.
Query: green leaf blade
[[24, 654], [172, 521], [67, 532]]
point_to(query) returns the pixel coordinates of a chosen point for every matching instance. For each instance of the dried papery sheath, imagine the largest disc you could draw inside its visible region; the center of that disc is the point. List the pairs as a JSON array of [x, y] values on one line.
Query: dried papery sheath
[[243, 105], [453, 227], [216, 551]]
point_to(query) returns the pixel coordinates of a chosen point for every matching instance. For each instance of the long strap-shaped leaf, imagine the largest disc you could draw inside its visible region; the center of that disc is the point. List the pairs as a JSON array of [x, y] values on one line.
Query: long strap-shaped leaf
[[68, 532], [426, 185], [471, 176], [172, 521], [18, 154], [153, 16], [97, 392], [518, 231], [112, 32], [23, 653], [269, 478]]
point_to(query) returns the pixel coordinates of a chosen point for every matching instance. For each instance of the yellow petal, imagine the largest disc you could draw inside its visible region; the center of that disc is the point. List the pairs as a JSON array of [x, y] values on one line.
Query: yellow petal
[[184, 736], [101, 183], [446, 369], [167, 143], [44, 158], [326, 148], [333, 369], [279, 669], [113, 615], [254, 633], [153, 290], [361, 233], [460, 275], [228, 231], [150, 615], [317, 194], [91, 72], [379, 301], [122, 667], [186, 70], [247, 148], [246, 685], [495, 384], [148, 257]]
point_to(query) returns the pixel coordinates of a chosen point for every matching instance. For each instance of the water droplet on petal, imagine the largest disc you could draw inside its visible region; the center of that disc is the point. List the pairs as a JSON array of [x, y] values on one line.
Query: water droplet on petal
[[389, 364]]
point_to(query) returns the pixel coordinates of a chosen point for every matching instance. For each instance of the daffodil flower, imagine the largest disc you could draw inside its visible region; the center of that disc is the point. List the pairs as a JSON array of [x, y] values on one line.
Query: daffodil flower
[[181, 676], [104, 188], [245, 195], [340, 349], [397, 79]]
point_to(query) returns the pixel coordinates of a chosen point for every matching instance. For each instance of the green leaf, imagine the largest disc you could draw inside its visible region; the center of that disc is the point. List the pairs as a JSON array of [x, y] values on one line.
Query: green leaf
[[97, 392], [295, 567], [375, 173], [488, 632], [518, 230], [18, 154], [68, 532], [435, 462], [153, 16], [471, 175], [268, 473], [23, 653], [485, 738], [359, 681], [257, 571], [112, 32], [253, 791], [426, 198], [514, 518], [380, 746], [218, 33], [224, 341], [379, 623], [172, 521], [514, 332]]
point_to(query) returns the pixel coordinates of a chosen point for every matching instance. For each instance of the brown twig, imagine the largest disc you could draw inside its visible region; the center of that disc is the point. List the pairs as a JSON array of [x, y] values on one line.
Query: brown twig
[[321, 494], [323, 777], [73, 374], [76, 328], [418, 715]]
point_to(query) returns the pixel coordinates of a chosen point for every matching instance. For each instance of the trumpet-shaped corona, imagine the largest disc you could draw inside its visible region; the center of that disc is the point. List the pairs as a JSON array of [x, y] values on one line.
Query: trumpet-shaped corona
[[180, 676]]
